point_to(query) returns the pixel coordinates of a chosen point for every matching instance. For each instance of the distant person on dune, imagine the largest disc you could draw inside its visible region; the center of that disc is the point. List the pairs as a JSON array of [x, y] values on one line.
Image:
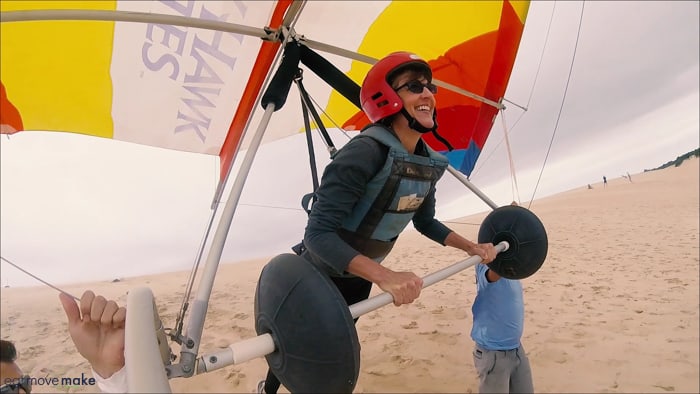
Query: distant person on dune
[[605, 181]]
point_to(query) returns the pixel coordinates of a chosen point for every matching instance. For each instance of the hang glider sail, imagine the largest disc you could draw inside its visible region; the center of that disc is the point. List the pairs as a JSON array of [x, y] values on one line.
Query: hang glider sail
[[192, 82]]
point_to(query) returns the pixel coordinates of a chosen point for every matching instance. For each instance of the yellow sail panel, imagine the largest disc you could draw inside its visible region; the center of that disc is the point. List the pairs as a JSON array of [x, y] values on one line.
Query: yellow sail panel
[[56, 73], [161, 85]]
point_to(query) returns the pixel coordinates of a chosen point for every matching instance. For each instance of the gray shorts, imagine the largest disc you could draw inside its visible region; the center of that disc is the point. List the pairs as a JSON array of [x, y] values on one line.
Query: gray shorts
[[503, 371]]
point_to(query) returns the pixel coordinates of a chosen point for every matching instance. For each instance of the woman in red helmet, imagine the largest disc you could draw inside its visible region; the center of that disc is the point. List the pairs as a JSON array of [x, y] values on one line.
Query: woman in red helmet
[[376, 184]]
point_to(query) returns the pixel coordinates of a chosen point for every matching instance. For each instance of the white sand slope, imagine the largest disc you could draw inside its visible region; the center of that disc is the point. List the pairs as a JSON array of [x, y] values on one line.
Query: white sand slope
[[613, 309]]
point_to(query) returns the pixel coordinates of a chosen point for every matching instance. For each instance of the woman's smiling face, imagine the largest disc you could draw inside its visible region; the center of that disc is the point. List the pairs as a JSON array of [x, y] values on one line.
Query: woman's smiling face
[[419, 105]]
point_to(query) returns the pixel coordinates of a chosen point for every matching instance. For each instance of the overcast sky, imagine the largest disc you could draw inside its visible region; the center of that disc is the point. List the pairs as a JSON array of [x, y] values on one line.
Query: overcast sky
[[75, 208]]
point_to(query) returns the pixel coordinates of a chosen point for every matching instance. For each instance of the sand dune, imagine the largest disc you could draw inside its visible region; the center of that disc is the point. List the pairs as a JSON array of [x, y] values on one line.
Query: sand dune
[[613, 309]]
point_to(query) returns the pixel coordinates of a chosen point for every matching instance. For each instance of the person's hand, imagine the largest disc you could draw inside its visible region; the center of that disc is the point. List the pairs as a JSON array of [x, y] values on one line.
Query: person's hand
[[404, 287], [486, 251], [99, 333]]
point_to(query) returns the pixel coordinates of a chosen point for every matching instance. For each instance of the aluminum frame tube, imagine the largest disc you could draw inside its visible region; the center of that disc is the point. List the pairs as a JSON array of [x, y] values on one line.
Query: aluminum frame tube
[[130, 16], [460, 177], [193, 333]]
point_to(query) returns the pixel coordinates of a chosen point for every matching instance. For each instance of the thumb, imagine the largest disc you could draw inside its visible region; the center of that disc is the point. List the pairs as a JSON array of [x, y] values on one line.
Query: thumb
[[71, 308]]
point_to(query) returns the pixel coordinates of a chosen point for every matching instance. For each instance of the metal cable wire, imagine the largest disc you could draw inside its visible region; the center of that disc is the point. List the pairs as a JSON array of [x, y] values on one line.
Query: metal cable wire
[[561, 107], [532, 91]]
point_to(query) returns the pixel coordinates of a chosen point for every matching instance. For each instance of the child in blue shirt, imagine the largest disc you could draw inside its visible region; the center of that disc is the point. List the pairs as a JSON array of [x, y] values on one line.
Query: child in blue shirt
[[498, 312]]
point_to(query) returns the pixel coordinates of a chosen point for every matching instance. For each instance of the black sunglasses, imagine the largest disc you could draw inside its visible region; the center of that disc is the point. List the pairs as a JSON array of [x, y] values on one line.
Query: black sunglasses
[[417, 87], [24, 383]]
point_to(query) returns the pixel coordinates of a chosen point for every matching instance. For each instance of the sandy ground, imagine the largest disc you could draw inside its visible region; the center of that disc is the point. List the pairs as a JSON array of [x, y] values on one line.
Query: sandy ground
[[613, 309]]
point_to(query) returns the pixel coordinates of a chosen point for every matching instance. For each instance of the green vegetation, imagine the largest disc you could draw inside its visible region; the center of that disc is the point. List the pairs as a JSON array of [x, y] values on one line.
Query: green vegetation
[[679, 160]]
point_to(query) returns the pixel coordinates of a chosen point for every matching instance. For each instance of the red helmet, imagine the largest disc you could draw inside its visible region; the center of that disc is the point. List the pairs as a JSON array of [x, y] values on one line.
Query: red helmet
[[378, 98]]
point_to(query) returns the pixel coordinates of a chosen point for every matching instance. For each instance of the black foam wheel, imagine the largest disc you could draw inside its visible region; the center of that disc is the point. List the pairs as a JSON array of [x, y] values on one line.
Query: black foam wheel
[[317, 349], [525, 235]]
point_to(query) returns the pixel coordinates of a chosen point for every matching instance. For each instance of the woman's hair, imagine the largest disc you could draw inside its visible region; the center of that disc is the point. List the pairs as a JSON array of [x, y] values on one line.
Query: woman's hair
[[8, 353], [415, 71]]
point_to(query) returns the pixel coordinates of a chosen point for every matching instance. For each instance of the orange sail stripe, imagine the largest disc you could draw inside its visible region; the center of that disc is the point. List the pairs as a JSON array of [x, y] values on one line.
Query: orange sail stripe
[[257, 76], [505, 50], [482, 65], [10, 118]]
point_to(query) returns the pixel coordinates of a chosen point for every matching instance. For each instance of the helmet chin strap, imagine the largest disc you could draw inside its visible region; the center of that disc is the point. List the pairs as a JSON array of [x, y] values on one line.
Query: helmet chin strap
[[415, 125]]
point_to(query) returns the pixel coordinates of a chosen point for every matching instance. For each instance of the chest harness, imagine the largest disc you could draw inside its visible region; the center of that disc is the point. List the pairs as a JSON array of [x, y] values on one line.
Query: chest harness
[[393, 195]]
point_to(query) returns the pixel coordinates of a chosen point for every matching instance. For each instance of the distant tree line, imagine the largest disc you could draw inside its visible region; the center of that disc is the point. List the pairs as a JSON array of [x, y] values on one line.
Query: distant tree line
[[679, 160]]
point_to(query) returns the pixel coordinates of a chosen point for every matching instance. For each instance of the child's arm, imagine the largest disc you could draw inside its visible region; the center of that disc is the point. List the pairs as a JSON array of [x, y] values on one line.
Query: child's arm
[[491, 276]]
